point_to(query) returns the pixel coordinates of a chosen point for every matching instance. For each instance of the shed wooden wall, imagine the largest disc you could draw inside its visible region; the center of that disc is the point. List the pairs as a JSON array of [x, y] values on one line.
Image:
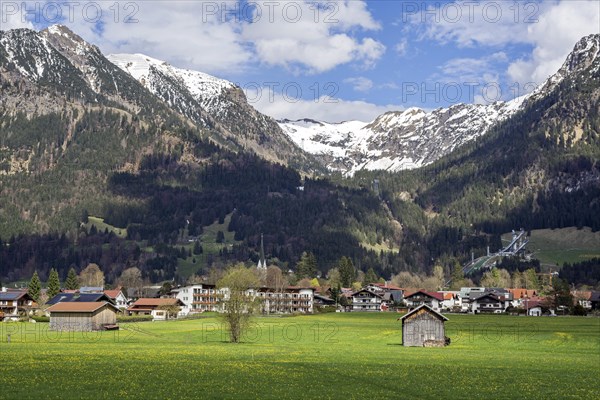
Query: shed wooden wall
[[104, 316], [69, 321], [82, 321], [420, 327]]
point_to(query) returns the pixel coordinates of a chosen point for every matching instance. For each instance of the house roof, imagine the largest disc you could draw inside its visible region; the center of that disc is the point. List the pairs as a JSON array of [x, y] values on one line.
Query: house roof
[[12, 295], [535, 302], [582, 294], [521, 293], [368, 291], [79, 297], [73, 306], [427, 308], [156, 302], [434, 295], [91, 289], [113, 294], [385, 286]]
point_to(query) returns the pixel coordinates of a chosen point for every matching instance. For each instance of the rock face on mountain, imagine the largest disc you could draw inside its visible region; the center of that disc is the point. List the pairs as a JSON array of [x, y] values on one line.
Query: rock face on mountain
[[413, 138], [215, 104], [62, 64]]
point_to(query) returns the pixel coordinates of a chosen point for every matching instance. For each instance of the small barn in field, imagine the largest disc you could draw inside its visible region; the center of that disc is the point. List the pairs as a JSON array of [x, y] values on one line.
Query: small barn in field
[[82, 316], [423, 327]]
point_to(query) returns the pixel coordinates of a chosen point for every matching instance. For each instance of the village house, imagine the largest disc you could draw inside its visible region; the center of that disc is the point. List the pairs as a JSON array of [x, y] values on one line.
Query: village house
[[450, 300], [431, 299], [533, 307], [423, 326], [14, 303], [82, 316], [158, 308], [321, 301], [292, 299], [199, 298], [490, 303], [520, 294], [582, 297], [366, 300], [117, 297]]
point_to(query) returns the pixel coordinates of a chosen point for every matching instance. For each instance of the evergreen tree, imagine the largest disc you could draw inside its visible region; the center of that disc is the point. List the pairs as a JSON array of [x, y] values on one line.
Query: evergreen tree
[[370, 276], [220, 237], [197, 248], [307, 266], [458, 276], [347, 271], [35, 287], [53, 284], [72, 283]]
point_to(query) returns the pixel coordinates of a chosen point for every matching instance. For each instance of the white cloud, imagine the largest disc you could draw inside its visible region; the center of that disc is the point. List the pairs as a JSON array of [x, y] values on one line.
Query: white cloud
[[553, 37], [323, 108], [13, 17], [551, 27], [298, 34], [360, 83], [187, 34], [401, 47], [470, 23], [218, 37]]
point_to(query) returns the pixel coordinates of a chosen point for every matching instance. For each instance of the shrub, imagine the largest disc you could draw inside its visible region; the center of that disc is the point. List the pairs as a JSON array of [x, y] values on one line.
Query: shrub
[[134, 318]]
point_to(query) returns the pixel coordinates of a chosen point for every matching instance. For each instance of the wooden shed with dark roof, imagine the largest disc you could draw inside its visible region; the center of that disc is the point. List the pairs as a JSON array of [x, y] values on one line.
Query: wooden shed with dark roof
[[423, 327], [82, 316]]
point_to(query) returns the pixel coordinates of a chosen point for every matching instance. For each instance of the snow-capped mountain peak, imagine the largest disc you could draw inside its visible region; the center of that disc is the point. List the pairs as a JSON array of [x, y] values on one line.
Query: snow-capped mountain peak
[[414, 137], [149, 71]]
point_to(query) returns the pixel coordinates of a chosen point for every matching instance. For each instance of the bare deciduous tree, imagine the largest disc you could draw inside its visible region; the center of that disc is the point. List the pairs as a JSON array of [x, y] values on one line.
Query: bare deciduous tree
[[239, 303]]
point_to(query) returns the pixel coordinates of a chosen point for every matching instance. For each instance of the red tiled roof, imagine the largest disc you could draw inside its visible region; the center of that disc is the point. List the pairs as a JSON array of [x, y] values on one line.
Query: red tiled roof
[[386, 286], [521, 293], [112, 293], [156, 302], [582, 294], [435, 295]]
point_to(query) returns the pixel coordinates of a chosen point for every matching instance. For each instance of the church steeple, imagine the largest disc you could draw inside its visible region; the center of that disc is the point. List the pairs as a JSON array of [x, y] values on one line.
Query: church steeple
[[262, 263]]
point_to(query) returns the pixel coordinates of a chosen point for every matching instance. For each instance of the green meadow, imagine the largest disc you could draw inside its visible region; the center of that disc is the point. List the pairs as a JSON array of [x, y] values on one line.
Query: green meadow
[[327, 356]]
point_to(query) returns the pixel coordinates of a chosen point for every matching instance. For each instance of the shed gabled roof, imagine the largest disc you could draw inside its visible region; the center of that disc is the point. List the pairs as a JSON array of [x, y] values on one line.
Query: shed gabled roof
[[78, 306], [426, 307]]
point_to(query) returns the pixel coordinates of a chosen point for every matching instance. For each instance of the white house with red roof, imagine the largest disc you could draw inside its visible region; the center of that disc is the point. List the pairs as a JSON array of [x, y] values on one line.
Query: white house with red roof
[[118, 297]]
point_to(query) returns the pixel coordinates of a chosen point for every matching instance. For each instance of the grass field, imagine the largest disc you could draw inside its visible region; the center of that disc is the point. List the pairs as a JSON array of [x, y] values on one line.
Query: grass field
[[331, 356], [208, 239], [556, 246], [101, 226]]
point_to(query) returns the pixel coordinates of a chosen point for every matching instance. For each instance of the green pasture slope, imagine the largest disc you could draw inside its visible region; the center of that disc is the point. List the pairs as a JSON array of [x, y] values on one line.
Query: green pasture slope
[[331, 356]]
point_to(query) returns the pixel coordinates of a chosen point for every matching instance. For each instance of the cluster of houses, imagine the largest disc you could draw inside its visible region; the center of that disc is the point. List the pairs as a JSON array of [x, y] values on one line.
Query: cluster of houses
[[475, 300], [93, 308]]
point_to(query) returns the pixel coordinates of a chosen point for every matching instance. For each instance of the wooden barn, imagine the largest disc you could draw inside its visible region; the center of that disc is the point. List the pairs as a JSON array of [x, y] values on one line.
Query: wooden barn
[[82, 316], [423, 327]]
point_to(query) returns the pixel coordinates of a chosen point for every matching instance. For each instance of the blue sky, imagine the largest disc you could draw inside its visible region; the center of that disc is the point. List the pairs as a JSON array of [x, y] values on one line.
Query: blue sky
[[340, 60]]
